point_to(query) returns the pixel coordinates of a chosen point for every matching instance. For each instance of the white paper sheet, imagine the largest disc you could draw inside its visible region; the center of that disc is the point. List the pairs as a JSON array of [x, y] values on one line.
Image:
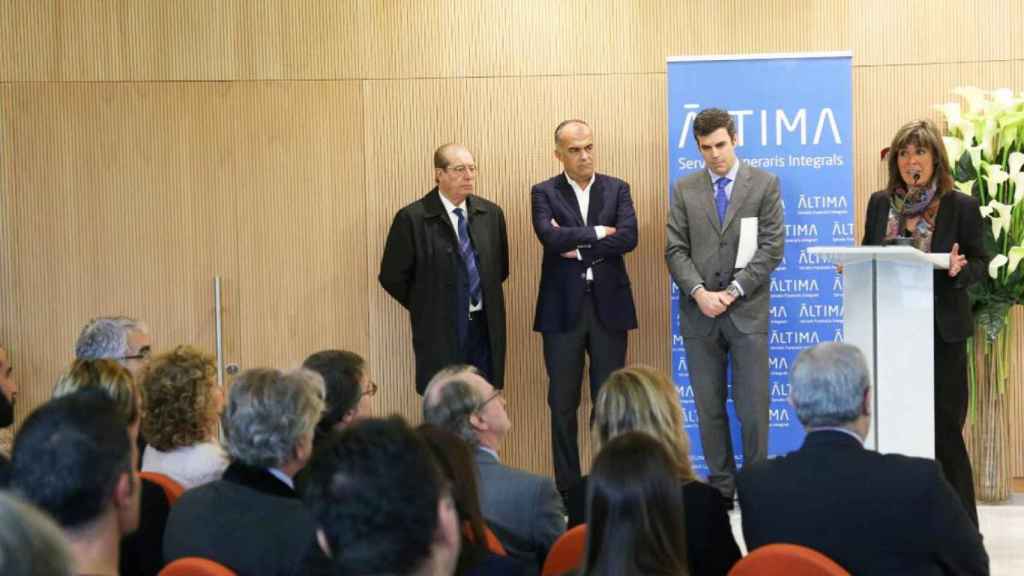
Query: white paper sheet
[[748, 241]]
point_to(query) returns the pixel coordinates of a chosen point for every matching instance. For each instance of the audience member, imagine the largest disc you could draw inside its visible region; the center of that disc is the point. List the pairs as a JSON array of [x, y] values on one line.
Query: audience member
[[8, 395], [524, 510], [347, 386], [74, 459], [642, 399], [455, 459], [251, 520], [118, 338], [30, 543], [381, 504], [872, 513], [140, 550], [635, 510], [183, 403]]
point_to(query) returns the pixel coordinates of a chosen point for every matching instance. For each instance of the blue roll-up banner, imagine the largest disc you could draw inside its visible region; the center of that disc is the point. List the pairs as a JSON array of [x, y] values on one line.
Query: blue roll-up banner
[[793, 117]]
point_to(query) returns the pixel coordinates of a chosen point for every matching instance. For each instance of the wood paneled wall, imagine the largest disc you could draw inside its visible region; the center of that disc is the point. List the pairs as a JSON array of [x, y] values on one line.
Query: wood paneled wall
[[147, 147]]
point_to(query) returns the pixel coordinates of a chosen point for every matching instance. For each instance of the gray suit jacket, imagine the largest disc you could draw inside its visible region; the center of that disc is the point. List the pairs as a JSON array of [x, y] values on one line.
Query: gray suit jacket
[[701, 251], [524, 510]]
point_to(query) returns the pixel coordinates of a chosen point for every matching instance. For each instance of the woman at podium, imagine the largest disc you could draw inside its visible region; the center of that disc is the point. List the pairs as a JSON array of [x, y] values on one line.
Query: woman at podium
[[919, 207]]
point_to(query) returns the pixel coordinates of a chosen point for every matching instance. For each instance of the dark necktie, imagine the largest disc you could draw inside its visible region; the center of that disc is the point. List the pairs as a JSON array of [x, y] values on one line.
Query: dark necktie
[[721, 200], [469, 258]]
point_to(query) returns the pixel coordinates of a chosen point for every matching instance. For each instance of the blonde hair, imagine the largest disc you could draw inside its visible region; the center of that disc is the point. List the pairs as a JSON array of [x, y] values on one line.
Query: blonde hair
[[641, 399], [107, 375]]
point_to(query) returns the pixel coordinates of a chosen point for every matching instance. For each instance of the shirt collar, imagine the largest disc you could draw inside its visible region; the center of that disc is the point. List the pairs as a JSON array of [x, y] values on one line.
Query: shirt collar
[[282, 477], [731, 174], [489, 451], [449, 207], [576, 187]]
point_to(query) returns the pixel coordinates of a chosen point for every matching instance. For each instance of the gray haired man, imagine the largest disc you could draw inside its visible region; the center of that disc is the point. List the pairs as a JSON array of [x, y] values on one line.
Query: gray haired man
[[524, 510], [872, 513], [120, 338]]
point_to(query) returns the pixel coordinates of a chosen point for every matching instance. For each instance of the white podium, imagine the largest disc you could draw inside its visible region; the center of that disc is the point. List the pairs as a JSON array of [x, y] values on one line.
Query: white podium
[[888, 313]]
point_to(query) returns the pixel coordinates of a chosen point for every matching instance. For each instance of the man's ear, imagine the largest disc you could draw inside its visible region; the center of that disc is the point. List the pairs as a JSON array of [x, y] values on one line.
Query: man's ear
[[866, 410], [477, 422], [348, 417], [124, 489], [448, 533]]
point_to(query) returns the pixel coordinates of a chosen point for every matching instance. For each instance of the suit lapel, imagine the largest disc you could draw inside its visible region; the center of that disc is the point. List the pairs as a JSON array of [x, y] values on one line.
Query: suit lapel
[[596, 201], [740, 189], [478, 228], [569, 197], [707, 198]]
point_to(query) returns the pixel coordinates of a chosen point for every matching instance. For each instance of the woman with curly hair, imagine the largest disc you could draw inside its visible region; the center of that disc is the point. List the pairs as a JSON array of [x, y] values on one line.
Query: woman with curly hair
[[183, 403]]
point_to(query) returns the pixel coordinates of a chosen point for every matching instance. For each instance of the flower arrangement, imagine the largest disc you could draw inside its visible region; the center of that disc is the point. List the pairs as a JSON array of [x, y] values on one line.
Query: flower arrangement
[[985, 144]]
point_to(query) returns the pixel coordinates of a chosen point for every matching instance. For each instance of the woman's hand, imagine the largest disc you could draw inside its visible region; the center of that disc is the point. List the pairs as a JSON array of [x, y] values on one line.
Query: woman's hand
[[956, 261]]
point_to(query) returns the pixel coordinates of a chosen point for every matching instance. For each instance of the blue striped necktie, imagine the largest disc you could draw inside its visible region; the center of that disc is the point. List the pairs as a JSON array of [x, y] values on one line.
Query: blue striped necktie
[[469, 258], [721, 200]]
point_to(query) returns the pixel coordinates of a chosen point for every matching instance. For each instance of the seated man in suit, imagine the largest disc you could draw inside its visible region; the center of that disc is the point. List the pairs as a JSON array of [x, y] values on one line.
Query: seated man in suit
[[381, 503], [74, 459], [524, 510], [872, 513], [251, 520]]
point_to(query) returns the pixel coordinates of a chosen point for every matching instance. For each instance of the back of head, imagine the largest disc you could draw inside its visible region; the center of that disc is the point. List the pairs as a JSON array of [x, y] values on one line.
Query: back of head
[[635, 516], [375, 490], [106, 337], [642, 399], [455, 460], [105, 375], [69, 456], [450, 400], [269, 413], [181, 399], [342, 372], [828, 385], [30, 543]]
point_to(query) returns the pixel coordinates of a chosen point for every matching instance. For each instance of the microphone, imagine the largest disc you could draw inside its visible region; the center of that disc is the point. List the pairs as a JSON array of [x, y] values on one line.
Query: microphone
[[915, 175]]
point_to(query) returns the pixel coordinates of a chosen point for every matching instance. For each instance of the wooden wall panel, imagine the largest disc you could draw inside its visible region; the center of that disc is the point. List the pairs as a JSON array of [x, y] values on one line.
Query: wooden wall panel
[[301, 221], [113, 191], [883, 32]]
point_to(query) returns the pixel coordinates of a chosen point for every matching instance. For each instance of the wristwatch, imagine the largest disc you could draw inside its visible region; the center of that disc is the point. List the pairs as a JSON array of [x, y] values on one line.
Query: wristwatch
[[733, 291]]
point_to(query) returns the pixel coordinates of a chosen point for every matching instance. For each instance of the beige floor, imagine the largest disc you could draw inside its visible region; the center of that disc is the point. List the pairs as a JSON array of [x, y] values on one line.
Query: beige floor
[[1002, 526]]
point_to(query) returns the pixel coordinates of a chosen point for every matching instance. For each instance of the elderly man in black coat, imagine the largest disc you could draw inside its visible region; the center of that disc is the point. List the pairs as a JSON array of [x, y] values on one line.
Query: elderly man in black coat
[[445, 260]]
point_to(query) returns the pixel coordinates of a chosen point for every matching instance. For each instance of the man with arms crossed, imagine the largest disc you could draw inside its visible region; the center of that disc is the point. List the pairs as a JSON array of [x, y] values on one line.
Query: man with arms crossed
[[586, 223], [724, 303]]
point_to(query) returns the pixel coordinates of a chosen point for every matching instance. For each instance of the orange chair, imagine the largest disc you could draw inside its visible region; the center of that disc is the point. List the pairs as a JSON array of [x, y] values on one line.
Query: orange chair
[[193, 566], [786, 560], [171, 488], [491, 541], [567, 553]]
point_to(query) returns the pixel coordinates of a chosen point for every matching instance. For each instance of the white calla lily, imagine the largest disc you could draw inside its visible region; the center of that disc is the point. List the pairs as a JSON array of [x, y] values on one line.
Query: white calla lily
[[954, 148], [1018, 187], [1016, 254], [995, 264], [975, 152], [951, 110], [989, 139], [999, 213], [996, 176], [974, 96], [1003, 98], [965, 187], [1015, 162]]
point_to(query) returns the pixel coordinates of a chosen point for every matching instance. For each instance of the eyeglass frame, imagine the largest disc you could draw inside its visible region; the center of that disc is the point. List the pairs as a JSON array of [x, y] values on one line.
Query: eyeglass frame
[[371, 389], [497, 392], [463, 169]]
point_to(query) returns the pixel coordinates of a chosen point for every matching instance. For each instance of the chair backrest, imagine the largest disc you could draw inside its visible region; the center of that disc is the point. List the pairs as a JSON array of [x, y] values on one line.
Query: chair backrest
[[192, 566], [171, 488], [788, 560], [491, 540], [567, 552]]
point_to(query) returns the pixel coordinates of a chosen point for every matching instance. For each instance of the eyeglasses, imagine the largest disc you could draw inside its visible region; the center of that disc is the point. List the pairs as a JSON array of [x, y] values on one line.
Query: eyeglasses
[[142, 354], [489, 398], [463, 169], [371, 388]]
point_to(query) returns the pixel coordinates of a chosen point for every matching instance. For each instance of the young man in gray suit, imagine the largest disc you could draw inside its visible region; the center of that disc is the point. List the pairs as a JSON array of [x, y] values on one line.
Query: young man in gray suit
[[724, 301], [523, 510]]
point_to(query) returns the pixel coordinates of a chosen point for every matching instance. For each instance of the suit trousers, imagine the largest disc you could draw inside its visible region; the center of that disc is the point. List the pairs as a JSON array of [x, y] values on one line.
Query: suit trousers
[[563, 357], [950, 416], [477, 349], [708, 358]]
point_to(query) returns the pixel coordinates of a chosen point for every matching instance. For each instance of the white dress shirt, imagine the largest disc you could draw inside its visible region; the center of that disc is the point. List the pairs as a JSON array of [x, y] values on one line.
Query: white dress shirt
[[583, 199]]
